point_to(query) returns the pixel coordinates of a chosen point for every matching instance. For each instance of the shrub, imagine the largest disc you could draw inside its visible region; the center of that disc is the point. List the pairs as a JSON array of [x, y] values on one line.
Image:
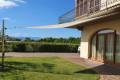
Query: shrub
[[20, 47], [40, 47], [29, 48]]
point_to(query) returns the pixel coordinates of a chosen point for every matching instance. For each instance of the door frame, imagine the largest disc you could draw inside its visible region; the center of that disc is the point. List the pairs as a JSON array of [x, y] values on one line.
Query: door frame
[[104, 55]]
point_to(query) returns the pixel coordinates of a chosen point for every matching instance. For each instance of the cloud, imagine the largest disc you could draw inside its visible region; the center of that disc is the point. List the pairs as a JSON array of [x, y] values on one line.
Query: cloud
[[10, 3], [20, 1], [6, 18]]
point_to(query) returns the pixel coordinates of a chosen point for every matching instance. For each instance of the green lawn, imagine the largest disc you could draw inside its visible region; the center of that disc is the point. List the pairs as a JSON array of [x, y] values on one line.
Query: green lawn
[[47, 68]]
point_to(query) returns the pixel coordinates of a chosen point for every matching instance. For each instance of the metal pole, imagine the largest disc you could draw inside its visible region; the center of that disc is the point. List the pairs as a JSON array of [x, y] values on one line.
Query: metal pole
[[3, 43]]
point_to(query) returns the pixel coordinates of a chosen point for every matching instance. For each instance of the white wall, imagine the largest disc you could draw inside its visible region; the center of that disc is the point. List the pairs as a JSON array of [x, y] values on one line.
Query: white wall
[[84, 50], [103, 4], [84, 45], [108, 3]]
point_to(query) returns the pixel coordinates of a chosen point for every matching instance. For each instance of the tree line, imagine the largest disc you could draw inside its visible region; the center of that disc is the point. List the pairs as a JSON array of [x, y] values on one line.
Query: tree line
[[41, 45], [47, 40]]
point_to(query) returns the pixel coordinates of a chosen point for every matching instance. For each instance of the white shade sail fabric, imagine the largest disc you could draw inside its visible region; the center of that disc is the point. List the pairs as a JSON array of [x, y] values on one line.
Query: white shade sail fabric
[[81, 21]]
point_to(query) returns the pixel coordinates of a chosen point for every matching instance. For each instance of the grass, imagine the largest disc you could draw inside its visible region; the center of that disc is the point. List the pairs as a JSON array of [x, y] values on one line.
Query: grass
[[47, 68]]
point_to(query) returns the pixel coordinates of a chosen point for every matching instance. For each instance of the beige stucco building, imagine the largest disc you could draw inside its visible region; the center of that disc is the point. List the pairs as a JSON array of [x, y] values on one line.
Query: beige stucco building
[[99, 23]]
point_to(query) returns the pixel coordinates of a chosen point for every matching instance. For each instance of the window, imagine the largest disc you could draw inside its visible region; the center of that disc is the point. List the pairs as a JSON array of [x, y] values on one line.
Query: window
[[103, 46], [117, 48], [106, 46], [109, 47], [100, 47]]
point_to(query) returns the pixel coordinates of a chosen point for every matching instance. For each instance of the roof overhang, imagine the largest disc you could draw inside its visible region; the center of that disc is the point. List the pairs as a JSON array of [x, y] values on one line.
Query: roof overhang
[[79, 23]]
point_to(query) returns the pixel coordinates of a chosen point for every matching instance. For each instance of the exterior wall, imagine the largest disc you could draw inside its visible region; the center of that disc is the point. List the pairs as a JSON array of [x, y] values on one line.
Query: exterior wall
[[108, 3], [89, 30]]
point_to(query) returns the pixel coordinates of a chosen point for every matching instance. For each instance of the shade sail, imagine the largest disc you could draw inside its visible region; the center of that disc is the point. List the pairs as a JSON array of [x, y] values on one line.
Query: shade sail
[[82, 21]]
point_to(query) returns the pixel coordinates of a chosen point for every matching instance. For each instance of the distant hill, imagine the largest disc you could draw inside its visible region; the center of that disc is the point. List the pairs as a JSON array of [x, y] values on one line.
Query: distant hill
[[33, 38]]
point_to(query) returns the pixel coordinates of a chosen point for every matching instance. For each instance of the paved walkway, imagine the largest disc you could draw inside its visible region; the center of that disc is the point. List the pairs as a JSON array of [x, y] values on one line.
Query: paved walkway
[[106, 72]]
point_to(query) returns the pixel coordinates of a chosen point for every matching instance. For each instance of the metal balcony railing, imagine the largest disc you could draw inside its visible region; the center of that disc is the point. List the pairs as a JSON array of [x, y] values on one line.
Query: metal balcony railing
[[86, 9]]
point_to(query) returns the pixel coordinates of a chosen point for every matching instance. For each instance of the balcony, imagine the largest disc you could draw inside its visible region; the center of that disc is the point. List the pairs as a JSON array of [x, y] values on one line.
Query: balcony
[[84, 10]]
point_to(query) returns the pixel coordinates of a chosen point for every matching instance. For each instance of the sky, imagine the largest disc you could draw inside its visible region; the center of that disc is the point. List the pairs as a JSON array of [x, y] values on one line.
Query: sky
[[20, 14]]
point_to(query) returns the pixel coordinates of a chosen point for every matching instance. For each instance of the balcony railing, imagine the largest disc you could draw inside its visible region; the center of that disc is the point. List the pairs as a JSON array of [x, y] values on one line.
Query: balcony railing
[[86, 9]]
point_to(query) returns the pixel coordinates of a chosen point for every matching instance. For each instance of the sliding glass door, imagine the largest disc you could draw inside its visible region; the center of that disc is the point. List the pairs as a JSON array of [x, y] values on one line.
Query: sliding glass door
[[103, 46], [117, 56], [100, 47], [109, 52]]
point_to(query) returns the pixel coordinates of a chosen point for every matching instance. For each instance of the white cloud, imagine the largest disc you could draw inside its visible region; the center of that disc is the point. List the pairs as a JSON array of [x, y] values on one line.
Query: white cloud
[[21, 1], [6, 18], [10, 3]]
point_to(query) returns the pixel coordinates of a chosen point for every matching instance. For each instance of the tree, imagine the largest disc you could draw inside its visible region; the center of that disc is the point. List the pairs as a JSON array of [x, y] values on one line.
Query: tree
[[28, 39]]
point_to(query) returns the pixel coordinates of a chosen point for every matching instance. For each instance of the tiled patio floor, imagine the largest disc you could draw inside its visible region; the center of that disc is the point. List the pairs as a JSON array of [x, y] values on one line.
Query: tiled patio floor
[[106, 72]]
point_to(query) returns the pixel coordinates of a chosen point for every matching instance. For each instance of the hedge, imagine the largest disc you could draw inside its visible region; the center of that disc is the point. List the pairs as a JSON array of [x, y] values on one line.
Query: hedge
[[40, 47]]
